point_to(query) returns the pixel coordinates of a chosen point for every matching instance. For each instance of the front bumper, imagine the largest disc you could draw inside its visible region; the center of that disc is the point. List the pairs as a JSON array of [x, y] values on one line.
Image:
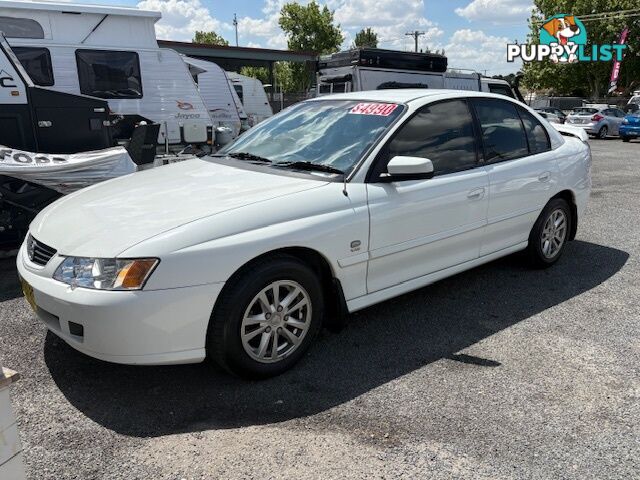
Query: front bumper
[[629, 130], [139, 327]]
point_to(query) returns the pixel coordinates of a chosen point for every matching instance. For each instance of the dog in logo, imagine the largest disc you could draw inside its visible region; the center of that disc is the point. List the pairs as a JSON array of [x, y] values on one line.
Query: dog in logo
[[564, 29]]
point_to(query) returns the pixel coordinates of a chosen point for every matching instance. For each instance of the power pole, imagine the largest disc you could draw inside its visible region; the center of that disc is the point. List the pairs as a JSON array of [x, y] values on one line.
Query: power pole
[[235, 24], [416, 34]]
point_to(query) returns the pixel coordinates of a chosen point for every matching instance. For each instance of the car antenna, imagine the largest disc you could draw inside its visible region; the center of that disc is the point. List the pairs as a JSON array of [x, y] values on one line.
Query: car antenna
[[344, 185]]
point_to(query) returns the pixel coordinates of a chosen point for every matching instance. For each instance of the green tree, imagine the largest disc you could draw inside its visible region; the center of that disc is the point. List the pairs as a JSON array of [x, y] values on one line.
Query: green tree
[[210, 38], [585, 78], [310, 28], [307, 28], [366, 38]]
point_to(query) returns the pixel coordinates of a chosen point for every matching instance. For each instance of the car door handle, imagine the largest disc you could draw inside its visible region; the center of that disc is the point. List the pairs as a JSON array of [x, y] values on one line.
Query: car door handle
[[475, 194], [544, 176]]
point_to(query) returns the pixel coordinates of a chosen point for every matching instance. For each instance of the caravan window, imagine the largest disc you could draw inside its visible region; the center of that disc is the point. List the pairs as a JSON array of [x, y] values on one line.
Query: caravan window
[[238, 88], [14, 27], [37, 63], [109, 74]]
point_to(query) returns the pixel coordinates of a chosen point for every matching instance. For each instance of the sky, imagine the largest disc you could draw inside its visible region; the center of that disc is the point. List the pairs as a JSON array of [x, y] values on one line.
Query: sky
[[473, 33]]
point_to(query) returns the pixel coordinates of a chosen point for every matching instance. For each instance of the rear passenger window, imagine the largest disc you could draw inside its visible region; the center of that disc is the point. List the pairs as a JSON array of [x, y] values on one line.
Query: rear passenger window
[[443, 133], [502, 134], [537, 136]]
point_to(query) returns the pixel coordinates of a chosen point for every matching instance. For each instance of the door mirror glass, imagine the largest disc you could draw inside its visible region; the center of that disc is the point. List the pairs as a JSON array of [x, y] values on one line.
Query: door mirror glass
[[408, 168]]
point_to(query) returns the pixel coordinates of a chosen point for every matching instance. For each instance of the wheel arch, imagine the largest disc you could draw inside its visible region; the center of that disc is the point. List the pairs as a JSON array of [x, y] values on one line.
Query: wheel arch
[[569, 197], [336, 305]]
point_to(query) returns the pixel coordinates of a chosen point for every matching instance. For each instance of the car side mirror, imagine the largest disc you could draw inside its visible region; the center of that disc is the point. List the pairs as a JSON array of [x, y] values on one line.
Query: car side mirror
[[407, 168]]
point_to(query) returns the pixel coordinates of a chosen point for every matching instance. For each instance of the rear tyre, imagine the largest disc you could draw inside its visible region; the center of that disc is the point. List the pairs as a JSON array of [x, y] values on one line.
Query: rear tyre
[[266, 318], [626, 139], [550, 234], [603, 132]]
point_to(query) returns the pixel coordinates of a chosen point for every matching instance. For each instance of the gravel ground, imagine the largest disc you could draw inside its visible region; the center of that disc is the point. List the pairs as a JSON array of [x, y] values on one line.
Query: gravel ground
[[500, 372]]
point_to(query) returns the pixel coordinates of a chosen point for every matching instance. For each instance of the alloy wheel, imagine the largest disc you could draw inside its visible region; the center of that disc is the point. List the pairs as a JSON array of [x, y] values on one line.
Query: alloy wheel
[[602, 133], [276, 321], [554, 233]]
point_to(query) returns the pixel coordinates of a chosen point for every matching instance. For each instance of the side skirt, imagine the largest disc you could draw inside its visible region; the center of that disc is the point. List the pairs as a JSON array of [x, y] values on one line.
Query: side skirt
[[416, 283]]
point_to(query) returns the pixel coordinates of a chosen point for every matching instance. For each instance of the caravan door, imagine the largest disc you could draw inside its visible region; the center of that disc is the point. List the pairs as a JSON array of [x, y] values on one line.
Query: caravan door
[[16, 126]]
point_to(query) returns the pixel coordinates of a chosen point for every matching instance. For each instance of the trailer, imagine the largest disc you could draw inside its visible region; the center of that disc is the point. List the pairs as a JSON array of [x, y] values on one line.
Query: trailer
[[110, 53], [253, 97], [220, 98]]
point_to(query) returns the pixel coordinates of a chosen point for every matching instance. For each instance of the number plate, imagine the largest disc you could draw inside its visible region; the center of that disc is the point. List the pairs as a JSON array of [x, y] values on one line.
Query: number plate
[[28, 294]]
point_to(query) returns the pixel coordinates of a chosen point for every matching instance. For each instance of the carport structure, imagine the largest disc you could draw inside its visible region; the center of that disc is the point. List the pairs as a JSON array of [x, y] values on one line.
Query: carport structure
[[234, 58]]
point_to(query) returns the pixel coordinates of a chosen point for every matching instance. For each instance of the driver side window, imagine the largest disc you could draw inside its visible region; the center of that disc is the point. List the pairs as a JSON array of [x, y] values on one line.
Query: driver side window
[[442, 132]]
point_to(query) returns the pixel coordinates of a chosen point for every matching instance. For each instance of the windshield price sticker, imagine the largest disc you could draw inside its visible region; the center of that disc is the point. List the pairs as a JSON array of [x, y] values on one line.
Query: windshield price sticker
[[382, 109]]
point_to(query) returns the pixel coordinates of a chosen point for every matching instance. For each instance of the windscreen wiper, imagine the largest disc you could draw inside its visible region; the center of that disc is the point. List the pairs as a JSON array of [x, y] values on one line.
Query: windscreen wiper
[[248, 156], [310, 166]]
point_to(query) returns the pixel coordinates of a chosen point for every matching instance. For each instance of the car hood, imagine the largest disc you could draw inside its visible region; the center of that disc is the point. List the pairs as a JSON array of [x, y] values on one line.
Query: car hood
[[106, 219]]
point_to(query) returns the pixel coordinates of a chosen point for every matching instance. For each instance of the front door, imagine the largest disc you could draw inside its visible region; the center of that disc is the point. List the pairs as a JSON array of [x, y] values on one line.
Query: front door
[[418, 227]]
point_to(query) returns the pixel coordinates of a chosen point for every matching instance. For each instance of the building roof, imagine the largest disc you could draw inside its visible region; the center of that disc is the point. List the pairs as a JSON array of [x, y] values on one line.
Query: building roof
[[80, 8], [213, 52]]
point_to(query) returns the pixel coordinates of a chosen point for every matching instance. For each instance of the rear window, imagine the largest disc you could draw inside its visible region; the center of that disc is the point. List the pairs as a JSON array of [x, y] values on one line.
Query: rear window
[[537, 136], [585, 111]]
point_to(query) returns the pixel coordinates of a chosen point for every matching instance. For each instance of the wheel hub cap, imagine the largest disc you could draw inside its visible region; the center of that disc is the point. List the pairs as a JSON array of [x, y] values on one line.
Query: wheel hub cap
[[554, 233], [276, 321]]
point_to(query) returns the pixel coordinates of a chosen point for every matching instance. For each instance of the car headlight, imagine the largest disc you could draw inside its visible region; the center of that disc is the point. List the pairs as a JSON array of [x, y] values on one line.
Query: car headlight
[[105, 273], [624, 120]]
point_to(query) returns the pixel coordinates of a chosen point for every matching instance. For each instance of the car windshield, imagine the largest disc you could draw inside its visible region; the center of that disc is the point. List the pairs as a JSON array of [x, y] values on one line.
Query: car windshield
[[585, 111], [333, 133]]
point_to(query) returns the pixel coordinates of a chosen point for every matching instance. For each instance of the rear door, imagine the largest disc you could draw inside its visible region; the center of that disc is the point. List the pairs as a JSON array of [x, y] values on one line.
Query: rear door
[[522, 171], [421, 226]]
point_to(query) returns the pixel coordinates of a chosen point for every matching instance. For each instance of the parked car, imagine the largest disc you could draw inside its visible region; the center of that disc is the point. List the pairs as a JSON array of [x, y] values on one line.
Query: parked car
[[554, 111], [598, 120], [630, 127], [550, 117], [330, 206]]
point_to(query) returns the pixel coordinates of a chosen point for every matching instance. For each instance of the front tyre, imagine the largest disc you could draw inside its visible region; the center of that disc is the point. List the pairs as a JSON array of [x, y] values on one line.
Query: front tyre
[[266, 318], [625, 138], [549, 234]]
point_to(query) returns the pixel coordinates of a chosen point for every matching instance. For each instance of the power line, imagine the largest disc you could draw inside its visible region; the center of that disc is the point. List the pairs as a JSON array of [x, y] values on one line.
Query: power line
[[415, 34]]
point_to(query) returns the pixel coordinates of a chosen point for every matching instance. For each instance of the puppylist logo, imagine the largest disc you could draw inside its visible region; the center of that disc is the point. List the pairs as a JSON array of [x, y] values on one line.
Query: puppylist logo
[[563, 39]]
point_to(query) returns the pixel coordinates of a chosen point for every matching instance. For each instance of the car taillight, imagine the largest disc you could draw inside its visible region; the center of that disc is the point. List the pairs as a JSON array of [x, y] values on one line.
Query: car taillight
[[597, 117]]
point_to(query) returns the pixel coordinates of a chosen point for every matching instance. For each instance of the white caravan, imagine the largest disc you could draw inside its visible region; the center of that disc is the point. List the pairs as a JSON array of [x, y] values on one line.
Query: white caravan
[[220, 98], [110, 53], [375, 69], [253, 97]]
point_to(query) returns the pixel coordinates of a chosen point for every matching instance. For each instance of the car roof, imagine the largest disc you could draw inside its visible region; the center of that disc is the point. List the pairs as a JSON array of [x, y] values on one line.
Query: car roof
[[407, 95]]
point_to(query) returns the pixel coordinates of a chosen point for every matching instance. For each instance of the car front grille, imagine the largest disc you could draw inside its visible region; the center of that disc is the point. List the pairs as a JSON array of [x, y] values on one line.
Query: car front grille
[[38, 252]]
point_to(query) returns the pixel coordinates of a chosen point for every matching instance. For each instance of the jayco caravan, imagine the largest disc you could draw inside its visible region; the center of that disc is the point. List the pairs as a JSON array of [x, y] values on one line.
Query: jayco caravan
[[253, 97], [375, 69], [110, 53], [220, 98]]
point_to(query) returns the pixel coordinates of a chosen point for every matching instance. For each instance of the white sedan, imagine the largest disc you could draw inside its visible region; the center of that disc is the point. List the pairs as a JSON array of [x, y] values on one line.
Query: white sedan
[[333, 205]]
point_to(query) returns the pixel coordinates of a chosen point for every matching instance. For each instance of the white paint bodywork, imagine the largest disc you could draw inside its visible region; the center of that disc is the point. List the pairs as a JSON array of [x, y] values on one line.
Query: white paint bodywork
[[205, 219], [169, 93]]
